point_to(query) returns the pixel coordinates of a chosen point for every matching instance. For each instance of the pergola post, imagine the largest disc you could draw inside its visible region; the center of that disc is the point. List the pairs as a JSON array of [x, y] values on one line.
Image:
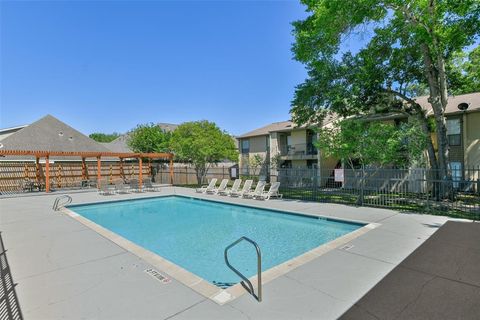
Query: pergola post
[[47, 173], [99, 171], [171, 169], [140, 173], [122, 173], [84, 169], [37, 170]]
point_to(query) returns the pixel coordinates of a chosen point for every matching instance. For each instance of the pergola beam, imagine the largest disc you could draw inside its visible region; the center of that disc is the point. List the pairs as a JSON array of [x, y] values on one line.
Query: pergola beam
[[98, 155], [43, 153]]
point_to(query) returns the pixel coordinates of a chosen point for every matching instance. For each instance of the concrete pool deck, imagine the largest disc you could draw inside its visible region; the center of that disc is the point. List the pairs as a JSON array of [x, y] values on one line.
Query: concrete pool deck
[[64, 269]]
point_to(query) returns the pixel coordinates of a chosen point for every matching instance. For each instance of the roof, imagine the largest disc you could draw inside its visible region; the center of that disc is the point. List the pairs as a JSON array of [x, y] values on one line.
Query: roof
[[50, 134], [473, 99], [120, 144], [168, 127], [8, 131], [276, 126], [283, 126]]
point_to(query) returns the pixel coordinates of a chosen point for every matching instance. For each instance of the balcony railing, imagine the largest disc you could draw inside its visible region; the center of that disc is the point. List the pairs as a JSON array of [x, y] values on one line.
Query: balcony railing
[[301, 149]]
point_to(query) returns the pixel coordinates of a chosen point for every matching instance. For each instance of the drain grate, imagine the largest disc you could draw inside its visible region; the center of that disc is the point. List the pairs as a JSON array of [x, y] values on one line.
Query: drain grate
[[347, 247], [157, 275]]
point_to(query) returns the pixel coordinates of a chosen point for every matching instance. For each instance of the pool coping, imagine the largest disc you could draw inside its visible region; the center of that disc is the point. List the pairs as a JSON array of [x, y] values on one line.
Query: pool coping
[[202, 286]]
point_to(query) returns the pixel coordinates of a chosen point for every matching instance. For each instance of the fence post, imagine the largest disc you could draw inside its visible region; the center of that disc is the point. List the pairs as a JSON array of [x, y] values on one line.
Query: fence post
[[362, 187]]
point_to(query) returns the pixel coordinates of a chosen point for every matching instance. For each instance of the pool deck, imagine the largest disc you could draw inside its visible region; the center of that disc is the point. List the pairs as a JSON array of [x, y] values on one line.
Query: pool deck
[[440, 280], [63, 269]]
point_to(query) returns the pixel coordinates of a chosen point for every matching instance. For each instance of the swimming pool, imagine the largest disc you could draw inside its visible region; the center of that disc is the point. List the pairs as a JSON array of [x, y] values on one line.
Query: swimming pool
[[193, 233]]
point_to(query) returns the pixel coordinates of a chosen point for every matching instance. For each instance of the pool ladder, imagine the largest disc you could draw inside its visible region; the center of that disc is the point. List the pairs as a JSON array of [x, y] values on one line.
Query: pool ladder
[[247, 284], [57, 205]]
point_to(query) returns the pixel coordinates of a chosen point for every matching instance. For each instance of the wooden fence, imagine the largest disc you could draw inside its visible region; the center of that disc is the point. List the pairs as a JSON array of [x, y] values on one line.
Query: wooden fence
[[185, 175], [64, 174]]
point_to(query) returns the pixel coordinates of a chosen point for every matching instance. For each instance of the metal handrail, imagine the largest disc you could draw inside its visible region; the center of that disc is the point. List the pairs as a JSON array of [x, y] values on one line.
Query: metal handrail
[[56, 204], [259, 268]]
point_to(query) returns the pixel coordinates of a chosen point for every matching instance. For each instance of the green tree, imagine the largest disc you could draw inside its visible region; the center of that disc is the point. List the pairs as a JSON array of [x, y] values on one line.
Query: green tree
[[361, 143], [202, 144], [464, 72], [412, 43], [104, 137], [149, 138]]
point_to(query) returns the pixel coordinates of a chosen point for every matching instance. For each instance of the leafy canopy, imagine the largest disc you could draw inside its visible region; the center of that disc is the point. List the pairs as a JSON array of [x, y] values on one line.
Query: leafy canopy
[[149, 138], [104, 137], [372, 143], [391, 64], [202, 143], [464, 72]]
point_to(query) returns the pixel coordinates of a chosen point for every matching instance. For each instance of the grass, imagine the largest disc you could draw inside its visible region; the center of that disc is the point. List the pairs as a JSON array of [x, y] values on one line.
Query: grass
[[407, 202]]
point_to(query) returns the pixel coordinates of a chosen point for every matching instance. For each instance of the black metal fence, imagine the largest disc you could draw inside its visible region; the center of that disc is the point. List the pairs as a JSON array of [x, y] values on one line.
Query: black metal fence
[[419, 190]]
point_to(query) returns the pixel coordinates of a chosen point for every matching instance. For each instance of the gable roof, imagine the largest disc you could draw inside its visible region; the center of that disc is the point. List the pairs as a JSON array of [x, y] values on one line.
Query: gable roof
[[120, 144], [5, 132], [284, 126], [50, 134], [276, 126], [473, 99]]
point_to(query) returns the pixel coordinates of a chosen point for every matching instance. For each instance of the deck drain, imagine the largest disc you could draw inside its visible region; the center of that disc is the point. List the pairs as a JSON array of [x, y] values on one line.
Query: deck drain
[[157, 275], [347, 247]]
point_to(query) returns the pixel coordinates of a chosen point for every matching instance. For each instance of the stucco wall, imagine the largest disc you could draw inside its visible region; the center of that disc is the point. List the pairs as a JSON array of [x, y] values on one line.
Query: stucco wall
[[258, 146], [472, 141]]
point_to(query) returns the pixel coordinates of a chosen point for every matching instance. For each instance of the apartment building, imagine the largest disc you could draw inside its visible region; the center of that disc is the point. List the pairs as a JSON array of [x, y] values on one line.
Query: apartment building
[[284, 143], [294, 146]]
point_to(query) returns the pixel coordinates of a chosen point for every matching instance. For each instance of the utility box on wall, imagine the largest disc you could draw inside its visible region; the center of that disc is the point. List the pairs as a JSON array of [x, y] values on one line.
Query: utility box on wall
[[234, 172]]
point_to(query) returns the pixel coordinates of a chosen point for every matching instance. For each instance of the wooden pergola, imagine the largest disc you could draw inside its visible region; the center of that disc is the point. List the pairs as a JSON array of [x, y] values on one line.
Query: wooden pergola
[[38, 154]]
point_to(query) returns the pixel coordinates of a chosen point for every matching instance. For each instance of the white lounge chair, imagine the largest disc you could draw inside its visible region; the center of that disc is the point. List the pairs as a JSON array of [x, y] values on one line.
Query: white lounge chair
[[210, 187], [121, 187], [221, 187], [134, 185], [247, 187], [148, 186], [272, 192], [258, 190], [235, 187], [106, 189]]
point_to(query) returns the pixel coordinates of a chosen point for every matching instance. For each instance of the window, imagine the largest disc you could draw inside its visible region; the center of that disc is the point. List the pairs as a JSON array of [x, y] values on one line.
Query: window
[[245, 146], [453, 132], [456, 169]]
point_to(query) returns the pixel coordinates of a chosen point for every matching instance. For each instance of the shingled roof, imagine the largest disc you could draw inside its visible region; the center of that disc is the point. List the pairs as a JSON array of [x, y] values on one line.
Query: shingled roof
[[473, 99], [276, 126], [120, 144], [50, 134]]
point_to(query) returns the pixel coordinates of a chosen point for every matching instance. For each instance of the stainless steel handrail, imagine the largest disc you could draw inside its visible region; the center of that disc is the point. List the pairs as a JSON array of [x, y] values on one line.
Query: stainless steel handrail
[[56, 204], [258, 296]]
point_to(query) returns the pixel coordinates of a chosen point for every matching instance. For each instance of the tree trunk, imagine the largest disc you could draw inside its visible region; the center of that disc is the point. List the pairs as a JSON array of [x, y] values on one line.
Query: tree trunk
[[200, 174], [438, 102]]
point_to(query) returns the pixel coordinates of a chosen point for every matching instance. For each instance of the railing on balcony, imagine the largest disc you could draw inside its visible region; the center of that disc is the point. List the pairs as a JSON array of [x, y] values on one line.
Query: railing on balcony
[[301, 149]]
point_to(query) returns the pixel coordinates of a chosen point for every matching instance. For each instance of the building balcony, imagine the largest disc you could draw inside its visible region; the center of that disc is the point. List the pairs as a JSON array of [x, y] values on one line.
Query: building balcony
[[302, 151]]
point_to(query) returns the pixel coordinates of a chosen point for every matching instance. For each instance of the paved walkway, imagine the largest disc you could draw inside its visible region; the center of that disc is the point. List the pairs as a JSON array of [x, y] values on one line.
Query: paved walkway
[[65, 270], [440, 280]]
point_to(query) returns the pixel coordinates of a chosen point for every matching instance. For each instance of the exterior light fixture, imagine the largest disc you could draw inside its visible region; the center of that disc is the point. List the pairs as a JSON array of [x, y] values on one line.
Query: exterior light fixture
[[463, 106]]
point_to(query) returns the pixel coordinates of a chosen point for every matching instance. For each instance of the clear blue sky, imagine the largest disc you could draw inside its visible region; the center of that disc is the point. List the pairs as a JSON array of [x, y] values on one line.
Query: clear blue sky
[[108, 66]]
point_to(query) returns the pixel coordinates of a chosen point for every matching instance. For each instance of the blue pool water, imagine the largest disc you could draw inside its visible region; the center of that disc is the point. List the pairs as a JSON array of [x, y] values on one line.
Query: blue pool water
[[193, 233]]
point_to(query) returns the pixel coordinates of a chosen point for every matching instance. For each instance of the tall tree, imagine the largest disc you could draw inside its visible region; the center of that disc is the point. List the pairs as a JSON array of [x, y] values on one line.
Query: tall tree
[[202, 144], [365, 143], [464, 72], [149, 138], [411, 45]]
